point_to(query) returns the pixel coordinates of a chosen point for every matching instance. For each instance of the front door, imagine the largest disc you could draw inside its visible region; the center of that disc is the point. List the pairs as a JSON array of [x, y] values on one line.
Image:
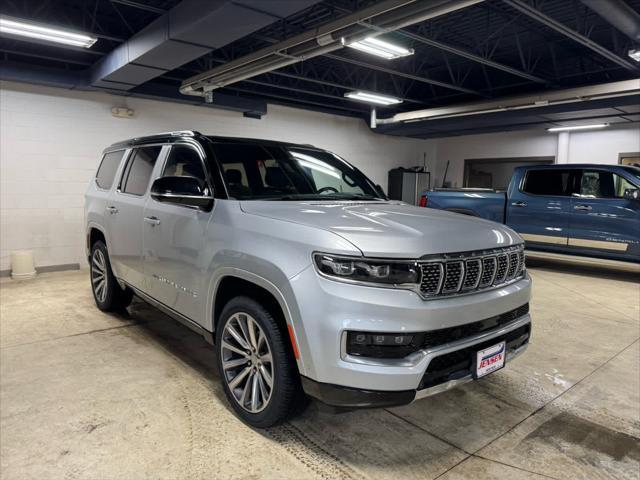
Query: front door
[[539, 209], [603, 222], [125, 209], [174, 238]]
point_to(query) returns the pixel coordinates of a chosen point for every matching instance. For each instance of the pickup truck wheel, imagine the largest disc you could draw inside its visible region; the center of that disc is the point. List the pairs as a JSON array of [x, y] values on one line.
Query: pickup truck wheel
[[257, 371], [108, 294]]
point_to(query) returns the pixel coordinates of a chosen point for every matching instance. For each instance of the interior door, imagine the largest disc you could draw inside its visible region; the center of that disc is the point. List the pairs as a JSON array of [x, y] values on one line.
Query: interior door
[[603, 222], [539, 209], [174, 239], [124, 214]]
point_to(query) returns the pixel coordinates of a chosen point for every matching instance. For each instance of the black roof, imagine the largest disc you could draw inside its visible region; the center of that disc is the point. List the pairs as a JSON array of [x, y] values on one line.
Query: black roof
[[165, 137]]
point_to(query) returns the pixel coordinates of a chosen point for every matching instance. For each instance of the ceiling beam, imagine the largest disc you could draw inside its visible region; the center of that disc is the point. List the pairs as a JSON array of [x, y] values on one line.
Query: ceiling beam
[[410, 76], [538, 16], [140, 6], [472, 56]]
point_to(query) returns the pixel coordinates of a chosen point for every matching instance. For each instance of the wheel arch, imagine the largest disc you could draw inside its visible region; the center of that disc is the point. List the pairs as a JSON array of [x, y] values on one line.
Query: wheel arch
[[231, 282]]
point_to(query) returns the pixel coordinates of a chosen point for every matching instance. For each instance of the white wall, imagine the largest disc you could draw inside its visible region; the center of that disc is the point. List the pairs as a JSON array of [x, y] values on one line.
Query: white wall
[[51, 139], [594, 146]]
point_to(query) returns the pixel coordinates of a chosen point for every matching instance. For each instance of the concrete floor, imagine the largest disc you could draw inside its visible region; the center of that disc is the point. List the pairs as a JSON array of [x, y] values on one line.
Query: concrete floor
[[84, 395]]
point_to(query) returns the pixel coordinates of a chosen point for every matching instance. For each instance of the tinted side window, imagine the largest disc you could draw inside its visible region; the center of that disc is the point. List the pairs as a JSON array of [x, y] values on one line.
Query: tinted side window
[[139, 170], [107, 170], [547, 182], [183, 161], [598, 184]]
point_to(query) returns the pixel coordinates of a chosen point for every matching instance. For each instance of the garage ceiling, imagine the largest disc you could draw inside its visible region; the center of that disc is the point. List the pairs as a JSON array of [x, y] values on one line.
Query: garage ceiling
[[491, 50]]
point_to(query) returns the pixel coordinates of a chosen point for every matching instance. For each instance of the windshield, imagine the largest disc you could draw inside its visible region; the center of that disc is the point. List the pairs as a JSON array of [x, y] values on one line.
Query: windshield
[[266, 172]]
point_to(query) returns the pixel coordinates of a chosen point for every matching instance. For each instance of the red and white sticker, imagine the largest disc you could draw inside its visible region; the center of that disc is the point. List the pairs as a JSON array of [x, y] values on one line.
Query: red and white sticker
[[490, 359]]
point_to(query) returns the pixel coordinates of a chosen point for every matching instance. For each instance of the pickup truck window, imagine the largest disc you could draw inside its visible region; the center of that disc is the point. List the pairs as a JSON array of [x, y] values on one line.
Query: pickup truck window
[[548, 182], [183, 161], [601, 184], [136, 178], [108, 167]]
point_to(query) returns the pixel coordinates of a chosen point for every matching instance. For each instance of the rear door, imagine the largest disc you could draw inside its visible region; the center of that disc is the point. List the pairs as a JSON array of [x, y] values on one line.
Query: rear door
[[124, 214], [603, 222], [174, 238], [539, 207]]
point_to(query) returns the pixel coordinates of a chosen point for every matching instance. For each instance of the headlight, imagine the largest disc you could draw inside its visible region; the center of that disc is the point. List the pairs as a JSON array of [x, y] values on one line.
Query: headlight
[[364, 270]]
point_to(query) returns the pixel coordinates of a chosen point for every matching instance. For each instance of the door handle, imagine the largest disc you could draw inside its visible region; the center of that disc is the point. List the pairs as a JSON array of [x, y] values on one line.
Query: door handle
[[519, 204], [112, 210], [153, 221], [583, 207]]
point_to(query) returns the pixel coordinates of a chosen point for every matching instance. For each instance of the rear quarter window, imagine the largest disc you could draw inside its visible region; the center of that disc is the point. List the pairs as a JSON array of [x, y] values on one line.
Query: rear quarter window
[[107, 169]]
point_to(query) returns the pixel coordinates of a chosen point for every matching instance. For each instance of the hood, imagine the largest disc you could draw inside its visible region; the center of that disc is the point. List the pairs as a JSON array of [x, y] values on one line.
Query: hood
[[391, 229]]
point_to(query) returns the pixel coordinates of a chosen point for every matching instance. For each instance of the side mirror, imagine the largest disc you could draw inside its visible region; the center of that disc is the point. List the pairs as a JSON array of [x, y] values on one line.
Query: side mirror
[[188, 191], [632, 194]]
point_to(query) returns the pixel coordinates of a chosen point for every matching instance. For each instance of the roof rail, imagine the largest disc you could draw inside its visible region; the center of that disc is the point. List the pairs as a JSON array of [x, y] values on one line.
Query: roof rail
[[177, 133]]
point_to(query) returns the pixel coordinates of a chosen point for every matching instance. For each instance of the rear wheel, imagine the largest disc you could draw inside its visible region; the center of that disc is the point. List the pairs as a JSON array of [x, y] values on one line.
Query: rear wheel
[[257, 371], [108, 294]]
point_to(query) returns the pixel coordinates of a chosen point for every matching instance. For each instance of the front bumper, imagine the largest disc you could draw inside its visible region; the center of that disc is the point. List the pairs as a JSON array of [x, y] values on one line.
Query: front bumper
[[327, 309], [516, 334]]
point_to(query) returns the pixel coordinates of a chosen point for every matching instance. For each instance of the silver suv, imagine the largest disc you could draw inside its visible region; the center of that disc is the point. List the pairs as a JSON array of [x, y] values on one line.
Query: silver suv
[[302, 274]]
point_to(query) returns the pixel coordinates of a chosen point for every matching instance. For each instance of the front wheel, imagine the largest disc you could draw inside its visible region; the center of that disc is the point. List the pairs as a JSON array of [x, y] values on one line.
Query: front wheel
[[108, 294], [257, 370]]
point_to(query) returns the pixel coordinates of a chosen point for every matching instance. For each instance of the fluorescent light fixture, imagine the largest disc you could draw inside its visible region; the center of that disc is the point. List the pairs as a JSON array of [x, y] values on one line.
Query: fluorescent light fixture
[[372, 98], [577, 127], [24, 28], [635, 54], [381, 48]]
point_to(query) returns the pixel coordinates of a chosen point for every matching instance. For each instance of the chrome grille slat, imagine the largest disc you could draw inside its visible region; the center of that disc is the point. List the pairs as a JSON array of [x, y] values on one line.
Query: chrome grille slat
[[472, 272], [473, 269]]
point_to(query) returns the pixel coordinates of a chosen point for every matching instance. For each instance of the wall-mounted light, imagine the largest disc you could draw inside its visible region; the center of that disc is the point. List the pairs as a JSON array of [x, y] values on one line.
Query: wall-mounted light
[[375, 98], [578, 127], [380, 48], [25, 28], [635, 54]]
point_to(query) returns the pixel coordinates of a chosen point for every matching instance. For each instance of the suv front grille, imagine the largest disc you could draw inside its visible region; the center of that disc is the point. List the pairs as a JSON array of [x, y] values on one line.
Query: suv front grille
[[471, 272]]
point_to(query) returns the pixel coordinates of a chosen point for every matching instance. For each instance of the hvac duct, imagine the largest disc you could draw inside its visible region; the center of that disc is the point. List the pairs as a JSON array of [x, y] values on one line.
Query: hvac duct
[[382, 17]]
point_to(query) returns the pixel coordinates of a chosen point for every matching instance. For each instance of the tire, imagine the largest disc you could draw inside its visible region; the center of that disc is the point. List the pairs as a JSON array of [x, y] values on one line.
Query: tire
[[107, 293], [245, 373]]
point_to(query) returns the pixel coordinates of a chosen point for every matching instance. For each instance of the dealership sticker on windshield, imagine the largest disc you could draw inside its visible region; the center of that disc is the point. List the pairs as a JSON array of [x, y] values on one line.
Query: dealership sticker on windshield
[[490, 359]]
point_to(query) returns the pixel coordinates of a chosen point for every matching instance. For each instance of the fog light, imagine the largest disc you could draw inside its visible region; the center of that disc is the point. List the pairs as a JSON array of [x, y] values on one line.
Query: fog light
[[382, 345]]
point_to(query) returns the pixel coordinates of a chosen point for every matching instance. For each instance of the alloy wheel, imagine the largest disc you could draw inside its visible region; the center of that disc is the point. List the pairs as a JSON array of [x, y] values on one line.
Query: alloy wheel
[[247, 362], [99, 275]]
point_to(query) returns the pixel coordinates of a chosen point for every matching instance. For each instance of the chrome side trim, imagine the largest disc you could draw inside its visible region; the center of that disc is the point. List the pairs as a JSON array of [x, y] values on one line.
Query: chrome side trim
[[530, 237], [603, 244], [586, 261], [186, 321], [443, 387], [417, 357]]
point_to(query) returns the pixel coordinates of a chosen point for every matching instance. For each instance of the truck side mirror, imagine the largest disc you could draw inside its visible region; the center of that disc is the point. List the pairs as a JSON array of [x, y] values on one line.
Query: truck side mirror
[[632, 194], [188, 191]]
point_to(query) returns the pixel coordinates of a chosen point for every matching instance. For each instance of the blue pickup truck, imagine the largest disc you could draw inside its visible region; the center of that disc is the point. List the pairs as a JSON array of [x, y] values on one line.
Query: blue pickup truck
[[585, 210]]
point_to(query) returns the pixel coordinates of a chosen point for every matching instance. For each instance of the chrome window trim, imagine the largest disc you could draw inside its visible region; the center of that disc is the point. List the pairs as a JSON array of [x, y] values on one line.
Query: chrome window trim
[[132, 149], [125, 156]]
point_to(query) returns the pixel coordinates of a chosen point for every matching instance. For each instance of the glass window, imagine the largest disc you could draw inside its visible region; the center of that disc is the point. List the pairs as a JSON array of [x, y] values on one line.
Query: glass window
[[139, 170], [290, 173], [183, 161], [107, 170], [601, 184], [547, 182]]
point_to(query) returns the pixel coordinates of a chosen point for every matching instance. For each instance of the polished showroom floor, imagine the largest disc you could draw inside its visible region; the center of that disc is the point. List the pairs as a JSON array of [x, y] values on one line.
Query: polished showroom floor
[[86, 395]]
